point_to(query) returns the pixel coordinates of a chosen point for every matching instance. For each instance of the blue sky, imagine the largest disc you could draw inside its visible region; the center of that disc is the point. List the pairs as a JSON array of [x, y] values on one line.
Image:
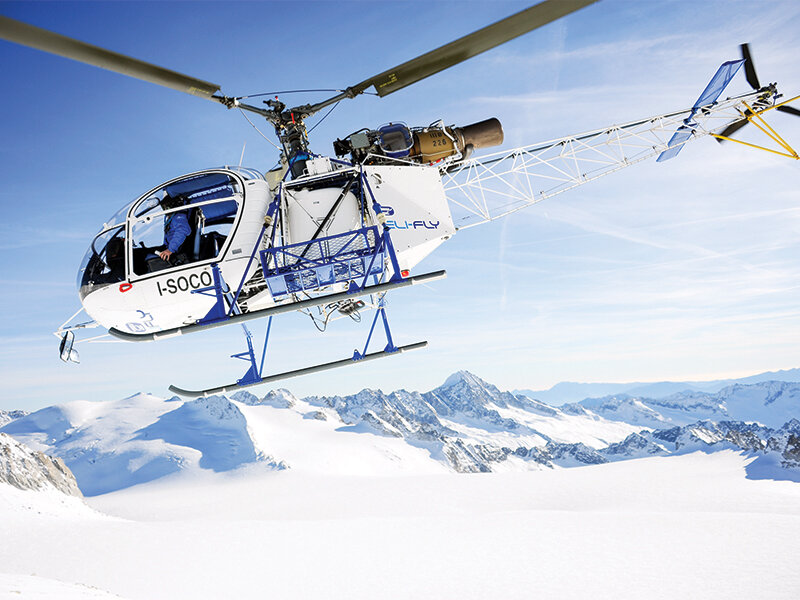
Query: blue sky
[[688, 269]]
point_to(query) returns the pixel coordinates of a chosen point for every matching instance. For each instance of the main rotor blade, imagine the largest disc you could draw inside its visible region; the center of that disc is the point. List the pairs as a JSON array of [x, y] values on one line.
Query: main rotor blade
[[471, 45], [54, 43], [749, 68], [458, 51]]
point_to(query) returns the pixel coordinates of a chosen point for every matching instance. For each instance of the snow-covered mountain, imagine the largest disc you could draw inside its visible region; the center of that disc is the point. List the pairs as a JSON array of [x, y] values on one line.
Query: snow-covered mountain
[[29, 470], [474, 426], [570, 392], [115, 444], [6, 416], [770, 403], [464, 425], [776, 451], [738, 435], [773, 449]]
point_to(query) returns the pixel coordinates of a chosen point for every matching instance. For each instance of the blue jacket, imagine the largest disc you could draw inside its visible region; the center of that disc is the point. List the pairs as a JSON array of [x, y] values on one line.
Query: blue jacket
[[176, 230]]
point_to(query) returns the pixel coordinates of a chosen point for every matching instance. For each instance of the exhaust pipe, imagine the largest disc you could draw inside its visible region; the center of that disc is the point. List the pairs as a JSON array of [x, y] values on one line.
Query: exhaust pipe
[[432, 145]]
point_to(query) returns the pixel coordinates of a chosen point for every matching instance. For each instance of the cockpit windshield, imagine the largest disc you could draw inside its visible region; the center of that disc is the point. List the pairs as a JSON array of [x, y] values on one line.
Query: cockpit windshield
[[104, 261]]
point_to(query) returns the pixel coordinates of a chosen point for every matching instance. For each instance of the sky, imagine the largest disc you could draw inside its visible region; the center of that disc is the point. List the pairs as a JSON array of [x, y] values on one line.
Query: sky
[[684, 270]]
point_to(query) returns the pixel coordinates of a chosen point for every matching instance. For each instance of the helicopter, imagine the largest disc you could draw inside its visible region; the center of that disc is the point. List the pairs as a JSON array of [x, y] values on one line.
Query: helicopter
[[326, 235]]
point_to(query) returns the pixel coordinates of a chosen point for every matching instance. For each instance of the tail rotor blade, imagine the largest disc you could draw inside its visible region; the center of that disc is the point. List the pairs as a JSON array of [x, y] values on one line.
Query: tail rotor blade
[[789, 110], [749, 68], [731, 129]]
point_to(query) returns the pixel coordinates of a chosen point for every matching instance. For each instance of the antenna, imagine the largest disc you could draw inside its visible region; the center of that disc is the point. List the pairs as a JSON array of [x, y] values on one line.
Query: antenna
[[241, 158]]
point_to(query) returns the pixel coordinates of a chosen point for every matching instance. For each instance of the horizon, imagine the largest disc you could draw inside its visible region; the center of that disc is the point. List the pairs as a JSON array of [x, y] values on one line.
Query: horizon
[[554, 402]]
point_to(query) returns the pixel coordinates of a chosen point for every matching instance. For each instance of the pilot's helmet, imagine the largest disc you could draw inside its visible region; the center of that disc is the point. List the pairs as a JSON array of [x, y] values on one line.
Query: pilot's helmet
[[168, 202]]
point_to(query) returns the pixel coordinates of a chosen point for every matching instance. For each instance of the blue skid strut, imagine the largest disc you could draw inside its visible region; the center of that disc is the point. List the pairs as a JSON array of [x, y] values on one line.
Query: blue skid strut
[[253, 374], [390, 347]]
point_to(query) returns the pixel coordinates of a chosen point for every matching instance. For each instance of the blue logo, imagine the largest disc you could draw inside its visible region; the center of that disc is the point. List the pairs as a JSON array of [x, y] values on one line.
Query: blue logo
[[396, 224]]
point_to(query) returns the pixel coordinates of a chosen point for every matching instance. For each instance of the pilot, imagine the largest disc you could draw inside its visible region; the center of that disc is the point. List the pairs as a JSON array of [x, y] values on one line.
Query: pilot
[[176, 230]]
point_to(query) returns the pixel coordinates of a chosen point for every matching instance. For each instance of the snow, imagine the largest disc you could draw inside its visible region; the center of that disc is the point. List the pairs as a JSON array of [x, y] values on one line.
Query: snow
[[687, 526], [32, 587], [328, 447], [771, 403], [15, 503], [331, 497], [115, 444], [347, 498], [466, 425], [566, 428]]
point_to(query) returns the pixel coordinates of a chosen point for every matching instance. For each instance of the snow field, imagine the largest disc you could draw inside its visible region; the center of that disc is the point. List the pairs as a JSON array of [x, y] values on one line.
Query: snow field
[[689, 526], [32, 587], [330, 447]]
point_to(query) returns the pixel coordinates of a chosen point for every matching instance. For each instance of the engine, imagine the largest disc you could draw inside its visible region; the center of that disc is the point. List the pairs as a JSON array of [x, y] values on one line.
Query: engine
[[427, 145]]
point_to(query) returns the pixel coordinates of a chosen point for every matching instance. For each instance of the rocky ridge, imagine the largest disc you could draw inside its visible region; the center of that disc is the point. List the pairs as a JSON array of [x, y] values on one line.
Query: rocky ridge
[[28, 469], [469, 423]]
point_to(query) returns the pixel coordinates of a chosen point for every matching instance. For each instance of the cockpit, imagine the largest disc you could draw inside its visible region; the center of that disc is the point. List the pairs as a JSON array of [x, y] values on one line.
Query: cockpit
[[182, 222]]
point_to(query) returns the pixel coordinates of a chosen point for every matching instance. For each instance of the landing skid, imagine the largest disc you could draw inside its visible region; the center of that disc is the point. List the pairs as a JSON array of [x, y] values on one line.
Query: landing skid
[[282, 308], [296, 373], [254, 374]]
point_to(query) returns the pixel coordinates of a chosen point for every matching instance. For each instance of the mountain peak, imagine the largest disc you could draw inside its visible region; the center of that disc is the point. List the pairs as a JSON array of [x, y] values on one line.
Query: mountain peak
[[464, 377]]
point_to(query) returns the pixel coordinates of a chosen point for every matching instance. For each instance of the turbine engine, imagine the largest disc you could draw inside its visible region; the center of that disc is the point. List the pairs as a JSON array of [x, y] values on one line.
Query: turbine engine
[[425, 145]]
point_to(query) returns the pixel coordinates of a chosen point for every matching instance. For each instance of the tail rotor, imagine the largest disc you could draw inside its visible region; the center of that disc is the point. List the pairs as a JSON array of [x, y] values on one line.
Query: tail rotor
[[752, 79]]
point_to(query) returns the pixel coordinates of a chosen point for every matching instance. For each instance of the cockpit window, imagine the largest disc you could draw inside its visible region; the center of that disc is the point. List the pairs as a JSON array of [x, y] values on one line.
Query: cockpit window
[[118, 218], [151, 203], [184, 222], [104, 261]]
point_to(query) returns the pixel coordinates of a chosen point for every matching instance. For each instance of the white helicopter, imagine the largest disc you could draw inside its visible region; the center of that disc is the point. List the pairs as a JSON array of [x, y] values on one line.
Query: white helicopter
[[331, 236]]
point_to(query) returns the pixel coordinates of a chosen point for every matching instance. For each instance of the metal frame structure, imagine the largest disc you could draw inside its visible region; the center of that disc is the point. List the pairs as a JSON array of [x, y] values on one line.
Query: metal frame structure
[[496, 185]]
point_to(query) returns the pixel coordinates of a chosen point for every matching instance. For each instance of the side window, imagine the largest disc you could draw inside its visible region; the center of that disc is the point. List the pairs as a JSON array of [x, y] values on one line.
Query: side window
[[215, 222], [184, 222]]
